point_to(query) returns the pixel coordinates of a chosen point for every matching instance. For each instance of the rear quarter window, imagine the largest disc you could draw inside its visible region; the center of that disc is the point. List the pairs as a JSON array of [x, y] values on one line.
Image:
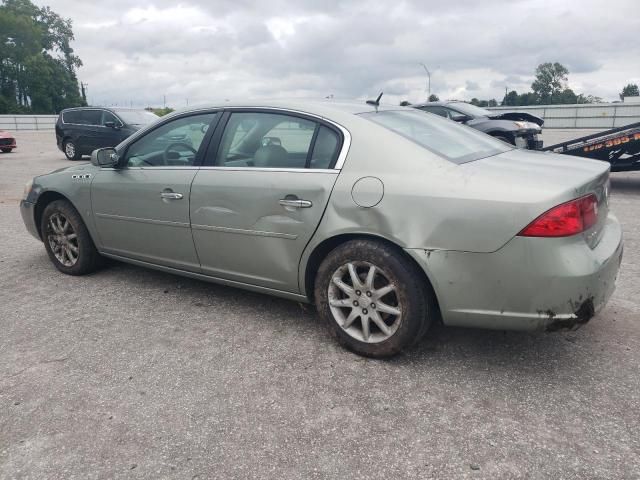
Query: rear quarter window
[[71, 117], [456, 143]]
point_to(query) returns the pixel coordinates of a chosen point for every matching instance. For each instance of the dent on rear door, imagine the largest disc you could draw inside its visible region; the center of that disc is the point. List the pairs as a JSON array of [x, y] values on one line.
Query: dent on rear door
[[243, 233]]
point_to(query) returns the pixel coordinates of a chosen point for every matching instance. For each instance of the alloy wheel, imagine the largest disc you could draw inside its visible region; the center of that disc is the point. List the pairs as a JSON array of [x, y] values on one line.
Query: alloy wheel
[[63, 240], [70, 149], [364, 302]]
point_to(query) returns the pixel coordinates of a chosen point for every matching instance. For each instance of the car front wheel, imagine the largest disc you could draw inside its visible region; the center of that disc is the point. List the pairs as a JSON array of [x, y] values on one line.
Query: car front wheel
[[67, 240], [372, 298], [6, 150]]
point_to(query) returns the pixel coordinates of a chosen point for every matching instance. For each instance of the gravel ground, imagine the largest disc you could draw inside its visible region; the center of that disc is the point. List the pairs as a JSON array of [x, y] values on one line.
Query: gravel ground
[[131, 373]]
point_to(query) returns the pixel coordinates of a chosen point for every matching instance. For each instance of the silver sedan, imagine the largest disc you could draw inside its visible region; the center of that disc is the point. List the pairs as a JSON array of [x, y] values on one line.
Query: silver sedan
[[386, 218]]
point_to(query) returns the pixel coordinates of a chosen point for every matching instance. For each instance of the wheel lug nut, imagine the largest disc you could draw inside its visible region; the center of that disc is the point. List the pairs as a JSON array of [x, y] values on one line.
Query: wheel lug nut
[[358, 292], [355, 303], [368, 294], [373, 305], [364, 310]]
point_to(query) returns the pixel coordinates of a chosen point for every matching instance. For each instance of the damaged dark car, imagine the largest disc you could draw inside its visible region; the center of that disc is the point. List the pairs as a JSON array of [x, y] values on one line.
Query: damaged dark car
[[516, 128]]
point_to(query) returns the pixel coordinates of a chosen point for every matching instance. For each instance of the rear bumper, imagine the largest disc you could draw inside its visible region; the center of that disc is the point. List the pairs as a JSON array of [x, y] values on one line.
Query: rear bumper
[[27, 210], [529, 284]]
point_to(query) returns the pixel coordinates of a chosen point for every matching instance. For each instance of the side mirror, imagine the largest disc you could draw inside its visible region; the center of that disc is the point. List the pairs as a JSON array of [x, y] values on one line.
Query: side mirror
[[112, 125], [461, 118], [105, 157]]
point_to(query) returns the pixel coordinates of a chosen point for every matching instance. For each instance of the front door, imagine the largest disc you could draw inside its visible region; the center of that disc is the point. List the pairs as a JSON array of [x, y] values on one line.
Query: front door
[[254, 211], [109, 134], [141, 210]]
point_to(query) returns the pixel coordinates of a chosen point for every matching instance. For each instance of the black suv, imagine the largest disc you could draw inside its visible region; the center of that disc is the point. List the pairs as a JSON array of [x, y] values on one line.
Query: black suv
[[79, 131], [517, 128]]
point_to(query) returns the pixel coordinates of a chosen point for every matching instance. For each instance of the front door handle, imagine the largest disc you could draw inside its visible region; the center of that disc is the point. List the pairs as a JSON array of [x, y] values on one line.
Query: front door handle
[[295, 203], [171, 195]]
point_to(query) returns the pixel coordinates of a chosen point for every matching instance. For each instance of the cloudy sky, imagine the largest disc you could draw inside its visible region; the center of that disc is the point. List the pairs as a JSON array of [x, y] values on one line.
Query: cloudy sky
[[138, 51]]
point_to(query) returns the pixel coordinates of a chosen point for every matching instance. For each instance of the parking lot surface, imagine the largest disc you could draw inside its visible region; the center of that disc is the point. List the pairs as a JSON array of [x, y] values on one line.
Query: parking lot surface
[[132, 373]]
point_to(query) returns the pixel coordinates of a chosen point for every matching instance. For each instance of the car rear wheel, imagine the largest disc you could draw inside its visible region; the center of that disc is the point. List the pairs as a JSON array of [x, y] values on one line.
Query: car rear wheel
[[373, 299], [6, 150], [70, 150], [67, 240]]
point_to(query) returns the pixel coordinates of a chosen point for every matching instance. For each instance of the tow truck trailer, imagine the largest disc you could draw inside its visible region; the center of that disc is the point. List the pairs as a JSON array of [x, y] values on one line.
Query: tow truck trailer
[[618, 146]]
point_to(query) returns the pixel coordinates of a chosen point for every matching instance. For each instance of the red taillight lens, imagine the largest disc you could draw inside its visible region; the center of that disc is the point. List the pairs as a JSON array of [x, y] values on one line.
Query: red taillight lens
[[564, 220]]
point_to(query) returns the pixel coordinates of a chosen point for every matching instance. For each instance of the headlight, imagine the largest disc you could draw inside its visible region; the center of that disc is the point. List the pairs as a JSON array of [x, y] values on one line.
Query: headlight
[[521, 124], [27, 189]]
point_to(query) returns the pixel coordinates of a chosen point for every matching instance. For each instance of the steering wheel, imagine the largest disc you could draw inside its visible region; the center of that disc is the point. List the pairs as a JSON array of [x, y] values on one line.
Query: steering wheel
[[165, 154]]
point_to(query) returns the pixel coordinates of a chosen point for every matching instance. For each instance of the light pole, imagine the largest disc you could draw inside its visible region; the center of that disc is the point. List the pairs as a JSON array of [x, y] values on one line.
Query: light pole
[[428, 77]]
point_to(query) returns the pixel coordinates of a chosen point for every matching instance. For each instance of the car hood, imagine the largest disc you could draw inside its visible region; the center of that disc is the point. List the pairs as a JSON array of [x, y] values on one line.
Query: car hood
[[518, 116]]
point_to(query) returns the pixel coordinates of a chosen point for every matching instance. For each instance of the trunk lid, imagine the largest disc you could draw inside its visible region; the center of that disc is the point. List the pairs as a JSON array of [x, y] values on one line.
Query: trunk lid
[[518, 116], [520, 185]]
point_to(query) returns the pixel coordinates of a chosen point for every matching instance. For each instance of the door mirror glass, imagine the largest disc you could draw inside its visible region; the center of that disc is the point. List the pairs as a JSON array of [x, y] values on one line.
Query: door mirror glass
[[110, 124], [105, 157]]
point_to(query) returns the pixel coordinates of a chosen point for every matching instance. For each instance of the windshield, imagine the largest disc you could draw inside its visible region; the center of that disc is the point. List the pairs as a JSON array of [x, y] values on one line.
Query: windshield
[[457, 143], [136, 117], [469, 109]]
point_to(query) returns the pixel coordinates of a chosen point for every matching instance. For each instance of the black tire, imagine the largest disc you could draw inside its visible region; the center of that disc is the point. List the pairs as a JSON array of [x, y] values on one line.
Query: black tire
[[410, 293], [88, 259], [71, 153], [508, 140], [6, 150]]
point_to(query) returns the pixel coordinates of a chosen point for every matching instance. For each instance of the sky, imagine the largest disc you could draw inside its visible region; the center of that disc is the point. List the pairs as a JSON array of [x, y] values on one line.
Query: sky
[[141, 52]]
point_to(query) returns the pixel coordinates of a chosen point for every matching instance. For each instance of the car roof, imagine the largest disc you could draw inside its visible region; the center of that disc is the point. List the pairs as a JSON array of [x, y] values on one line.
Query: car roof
[[317, 107]]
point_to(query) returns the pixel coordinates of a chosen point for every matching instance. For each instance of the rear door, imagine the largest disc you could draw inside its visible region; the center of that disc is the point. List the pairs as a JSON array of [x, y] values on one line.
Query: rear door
[[261, 194], [141, 210]]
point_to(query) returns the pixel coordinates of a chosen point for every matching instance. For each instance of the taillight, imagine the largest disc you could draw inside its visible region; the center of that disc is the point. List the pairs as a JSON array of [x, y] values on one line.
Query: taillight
[[564, 220]]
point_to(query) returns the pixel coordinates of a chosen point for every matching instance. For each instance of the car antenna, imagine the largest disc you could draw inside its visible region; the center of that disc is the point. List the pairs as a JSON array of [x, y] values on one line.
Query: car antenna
[[376, 102]]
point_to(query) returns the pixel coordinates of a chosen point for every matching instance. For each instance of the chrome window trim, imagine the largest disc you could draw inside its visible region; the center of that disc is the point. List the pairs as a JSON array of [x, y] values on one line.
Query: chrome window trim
[[346, 142], [239, 169], [280, 170]]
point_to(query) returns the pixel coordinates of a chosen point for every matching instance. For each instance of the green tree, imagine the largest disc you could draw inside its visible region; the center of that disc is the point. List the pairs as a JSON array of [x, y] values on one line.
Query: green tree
[[405, 103], [630, 90], [37, 64], [434, 98], [550, 81]]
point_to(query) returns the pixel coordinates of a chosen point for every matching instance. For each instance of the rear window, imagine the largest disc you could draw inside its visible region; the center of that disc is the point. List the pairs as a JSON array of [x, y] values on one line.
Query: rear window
[[456, 143]]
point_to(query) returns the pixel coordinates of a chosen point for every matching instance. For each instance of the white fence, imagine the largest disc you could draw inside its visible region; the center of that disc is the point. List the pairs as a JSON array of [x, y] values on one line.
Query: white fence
[[591, 115], [28, 122]]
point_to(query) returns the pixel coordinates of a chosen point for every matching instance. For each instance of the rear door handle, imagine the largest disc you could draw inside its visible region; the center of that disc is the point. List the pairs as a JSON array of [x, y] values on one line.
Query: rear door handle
[[295, 203], [171, 195]]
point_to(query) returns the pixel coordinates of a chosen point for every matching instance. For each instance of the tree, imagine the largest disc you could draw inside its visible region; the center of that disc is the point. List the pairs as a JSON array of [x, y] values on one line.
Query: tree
[[631, 90], [550, 81], [37, 64], [404, 103], [434, 98], [510, 99]]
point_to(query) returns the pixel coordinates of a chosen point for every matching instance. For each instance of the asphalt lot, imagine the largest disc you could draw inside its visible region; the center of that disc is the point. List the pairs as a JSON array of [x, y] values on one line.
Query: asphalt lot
[[131, 373]]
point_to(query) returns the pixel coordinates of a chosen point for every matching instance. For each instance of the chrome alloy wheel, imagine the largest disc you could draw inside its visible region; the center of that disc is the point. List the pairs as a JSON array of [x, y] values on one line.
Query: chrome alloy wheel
[[63, 240], [364, 303], [70, 149]]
